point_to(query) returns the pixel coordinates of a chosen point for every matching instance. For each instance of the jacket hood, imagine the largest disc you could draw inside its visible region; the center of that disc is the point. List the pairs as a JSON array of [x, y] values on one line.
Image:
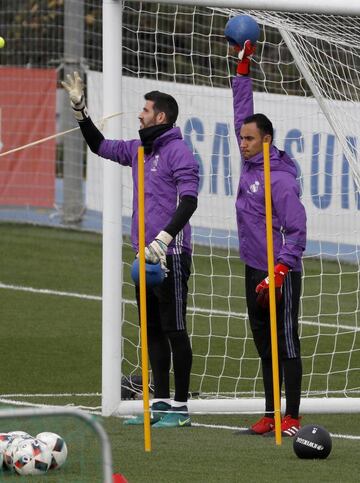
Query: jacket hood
[[279, 161]]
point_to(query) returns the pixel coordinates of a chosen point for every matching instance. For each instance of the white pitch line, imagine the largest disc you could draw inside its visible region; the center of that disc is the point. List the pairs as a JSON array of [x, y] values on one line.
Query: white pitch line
[[46, 291], [97, 411], [38, 405], [64, 394], [199, 310], [236, 428]]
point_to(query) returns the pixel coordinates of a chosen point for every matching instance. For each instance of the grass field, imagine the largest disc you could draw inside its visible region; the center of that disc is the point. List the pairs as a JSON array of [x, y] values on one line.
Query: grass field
[[51, 354]]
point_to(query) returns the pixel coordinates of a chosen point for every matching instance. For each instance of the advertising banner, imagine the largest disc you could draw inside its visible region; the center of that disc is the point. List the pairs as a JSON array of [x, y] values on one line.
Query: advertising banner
[[27, 114], [206, 120]]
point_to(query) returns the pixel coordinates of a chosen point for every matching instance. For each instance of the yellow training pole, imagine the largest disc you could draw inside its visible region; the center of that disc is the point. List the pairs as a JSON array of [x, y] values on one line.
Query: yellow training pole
[[142, 286], [270, 254]]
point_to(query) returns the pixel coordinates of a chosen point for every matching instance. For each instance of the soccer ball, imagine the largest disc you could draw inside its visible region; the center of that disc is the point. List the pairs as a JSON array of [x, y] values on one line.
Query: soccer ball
[[15, 434], [31, 457], [131, 387], [312, 442], [5, 439], [57, 446], [14, 437]]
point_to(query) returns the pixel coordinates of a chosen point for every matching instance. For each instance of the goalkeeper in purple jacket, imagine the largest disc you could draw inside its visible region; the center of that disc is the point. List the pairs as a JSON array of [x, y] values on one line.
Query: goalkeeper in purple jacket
[[289, 238], [171, 189]]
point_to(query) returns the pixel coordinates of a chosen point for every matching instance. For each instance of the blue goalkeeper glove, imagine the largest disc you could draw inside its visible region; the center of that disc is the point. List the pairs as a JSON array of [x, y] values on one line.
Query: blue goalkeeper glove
[[156, 251]]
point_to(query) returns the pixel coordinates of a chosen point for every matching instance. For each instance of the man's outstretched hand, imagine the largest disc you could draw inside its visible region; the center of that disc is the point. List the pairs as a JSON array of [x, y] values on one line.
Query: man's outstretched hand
[[280, 272], [75, 88], [244, 55]]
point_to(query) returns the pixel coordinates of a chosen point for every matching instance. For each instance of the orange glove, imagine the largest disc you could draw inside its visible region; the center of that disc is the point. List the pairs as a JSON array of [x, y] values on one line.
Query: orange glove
[[280, 272], [244, 56]]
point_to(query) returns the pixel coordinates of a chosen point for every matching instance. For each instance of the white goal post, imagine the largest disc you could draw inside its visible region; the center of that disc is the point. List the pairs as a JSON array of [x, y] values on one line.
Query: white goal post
[[306, 78]]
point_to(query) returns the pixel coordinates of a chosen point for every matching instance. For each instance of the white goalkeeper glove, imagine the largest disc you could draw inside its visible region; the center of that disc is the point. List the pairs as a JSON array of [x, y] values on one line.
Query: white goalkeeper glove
[[156, 251], [75, 89]]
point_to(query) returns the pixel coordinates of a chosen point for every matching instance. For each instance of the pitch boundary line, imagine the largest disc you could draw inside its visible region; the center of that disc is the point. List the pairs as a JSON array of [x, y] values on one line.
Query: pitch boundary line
[[235, 428], [63, 394], [200, 310], [195, 425]]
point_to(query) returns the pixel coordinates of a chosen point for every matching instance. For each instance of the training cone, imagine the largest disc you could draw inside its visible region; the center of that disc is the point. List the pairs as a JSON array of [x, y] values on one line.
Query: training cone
[[119, 478]]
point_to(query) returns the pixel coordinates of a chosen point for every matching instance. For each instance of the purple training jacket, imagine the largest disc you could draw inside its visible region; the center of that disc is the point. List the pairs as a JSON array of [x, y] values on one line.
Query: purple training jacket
[[171, 172], [288, 213]]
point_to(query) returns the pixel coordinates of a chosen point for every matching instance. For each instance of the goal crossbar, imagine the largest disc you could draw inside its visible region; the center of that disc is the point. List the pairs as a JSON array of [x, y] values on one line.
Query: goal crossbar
[[334, 7]]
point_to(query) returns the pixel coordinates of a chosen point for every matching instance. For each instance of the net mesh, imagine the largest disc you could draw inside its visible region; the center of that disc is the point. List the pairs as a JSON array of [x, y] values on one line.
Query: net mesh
[[76, 449]]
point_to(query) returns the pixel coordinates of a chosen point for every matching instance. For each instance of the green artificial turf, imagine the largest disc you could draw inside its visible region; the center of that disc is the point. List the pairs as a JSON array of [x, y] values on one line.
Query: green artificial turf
[[51, 354]]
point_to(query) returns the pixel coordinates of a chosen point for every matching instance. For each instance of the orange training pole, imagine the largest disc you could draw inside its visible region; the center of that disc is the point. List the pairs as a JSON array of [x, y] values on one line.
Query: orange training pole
[[142, 286], [270, 254]]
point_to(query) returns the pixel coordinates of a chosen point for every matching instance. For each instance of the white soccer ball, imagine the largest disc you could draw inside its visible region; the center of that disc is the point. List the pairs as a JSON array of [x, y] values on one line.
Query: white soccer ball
[[16, 434], [5, 439], [31, 457], [57, 446], [14, 438]]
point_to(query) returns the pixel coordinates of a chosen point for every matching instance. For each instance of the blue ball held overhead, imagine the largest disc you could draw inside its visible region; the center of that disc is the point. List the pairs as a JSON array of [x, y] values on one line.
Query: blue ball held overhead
[[154, 274], [241, 28]]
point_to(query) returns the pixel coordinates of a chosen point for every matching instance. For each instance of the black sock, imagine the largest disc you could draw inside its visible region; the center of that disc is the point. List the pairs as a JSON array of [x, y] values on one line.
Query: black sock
[[292, 379], [160, 360], [182, 361], [268, 386]]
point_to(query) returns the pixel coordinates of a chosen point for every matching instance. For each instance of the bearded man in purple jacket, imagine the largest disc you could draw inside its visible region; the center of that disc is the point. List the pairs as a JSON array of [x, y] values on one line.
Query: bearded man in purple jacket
[[171, 190], [289, 238]]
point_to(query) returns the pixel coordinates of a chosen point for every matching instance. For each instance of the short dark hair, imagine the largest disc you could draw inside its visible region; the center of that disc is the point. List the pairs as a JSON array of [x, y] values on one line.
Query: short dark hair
[[262, 122], [164, 103]]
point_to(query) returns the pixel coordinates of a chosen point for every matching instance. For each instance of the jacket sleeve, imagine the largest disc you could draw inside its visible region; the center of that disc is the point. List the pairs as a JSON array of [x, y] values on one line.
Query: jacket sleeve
[[185, 170], [120, 151], [243, 103], [182, 215], [291, 215]]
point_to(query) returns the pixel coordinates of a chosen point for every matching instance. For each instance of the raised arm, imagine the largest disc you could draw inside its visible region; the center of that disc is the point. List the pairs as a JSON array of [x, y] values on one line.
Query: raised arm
[[243, 104], [75, 88], [115, 150]]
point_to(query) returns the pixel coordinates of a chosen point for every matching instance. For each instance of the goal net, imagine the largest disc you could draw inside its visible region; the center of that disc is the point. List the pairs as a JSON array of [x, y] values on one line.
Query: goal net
[[306, 80], [79, 446]]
